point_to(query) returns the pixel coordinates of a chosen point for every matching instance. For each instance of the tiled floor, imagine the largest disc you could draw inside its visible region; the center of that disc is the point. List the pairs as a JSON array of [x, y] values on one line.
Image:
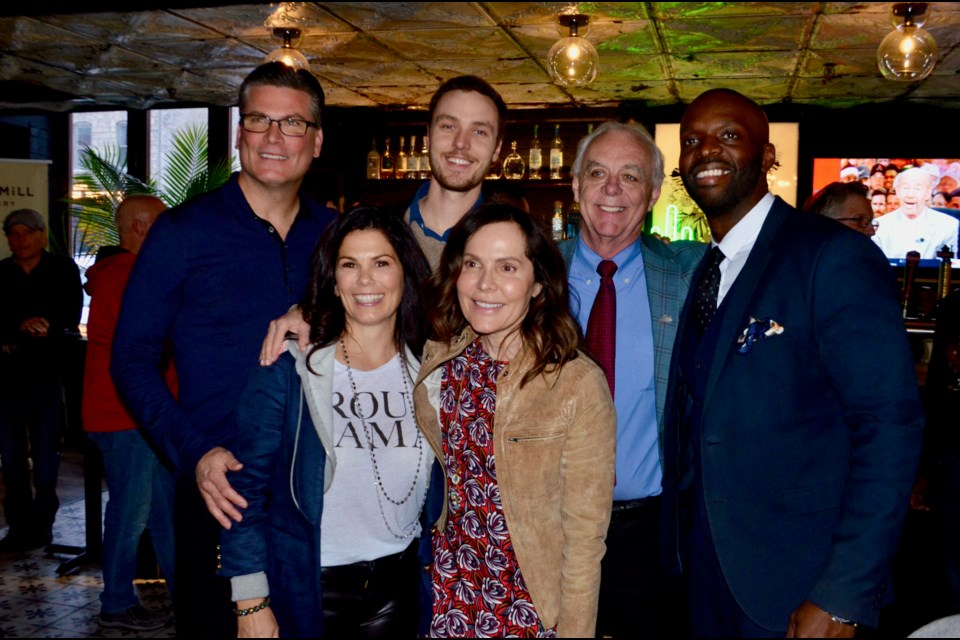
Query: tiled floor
[[36, 602]]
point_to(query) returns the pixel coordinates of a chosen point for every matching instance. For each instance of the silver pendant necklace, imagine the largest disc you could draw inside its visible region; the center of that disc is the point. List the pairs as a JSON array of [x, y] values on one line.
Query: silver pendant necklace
[[418, 443]]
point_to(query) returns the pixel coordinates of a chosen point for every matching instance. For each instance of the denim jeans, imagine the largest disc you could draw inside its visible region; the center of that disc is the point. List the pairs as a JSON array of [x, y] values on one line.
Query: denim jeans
[[32, 418], [141, 497]]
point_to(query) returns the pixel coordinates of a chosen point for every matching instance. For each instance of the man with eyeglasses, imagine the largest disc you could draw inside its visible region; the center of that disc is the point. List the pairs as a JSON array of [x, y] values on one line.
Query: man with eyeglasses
[[210, 276], [845, 202]]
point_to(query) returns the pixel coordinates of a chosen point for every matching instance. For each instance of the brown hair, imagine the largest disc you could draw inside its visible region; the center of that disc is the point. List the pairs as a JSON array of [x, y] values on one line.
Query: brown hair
[[548, 331]]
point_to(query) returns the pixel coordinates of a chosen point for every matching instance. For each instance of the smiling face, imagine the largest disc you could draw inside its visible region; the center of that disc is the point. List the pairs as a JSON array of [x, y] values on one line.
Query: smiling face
[[369, 280], [496, 284], [913, 189], [615, 191], [463, 139], [271, 159], [725, 153]]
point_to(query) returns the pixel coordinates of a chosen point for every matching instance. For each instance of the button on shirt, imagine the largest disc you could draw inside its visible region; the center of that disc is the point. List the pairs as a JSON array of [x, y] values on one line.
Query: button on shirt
[[638, 458], [738, 242]]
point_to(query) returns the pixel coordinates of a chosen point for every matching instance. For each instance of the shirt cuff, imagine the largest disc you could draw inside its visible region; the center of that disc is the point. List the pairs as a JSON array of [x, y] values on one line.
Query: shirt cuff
[[250, 586]]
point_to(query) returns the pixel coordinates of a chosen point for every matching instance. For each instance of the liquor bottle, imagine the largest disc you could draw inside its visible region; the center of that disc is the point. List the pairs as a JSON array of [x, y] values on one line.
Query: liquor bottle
[[373, 162], [556, 222], [401, 161], [386, 162], [556, 155], [424, 161], [513, 164], [413, 161], [573, 220], [536, 160]]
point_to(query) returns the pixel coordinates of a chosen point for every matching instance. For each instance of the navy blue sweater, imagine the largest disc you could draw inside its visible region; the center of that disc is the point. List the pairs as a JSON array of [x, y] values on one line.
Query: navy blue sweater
[[209, 278]]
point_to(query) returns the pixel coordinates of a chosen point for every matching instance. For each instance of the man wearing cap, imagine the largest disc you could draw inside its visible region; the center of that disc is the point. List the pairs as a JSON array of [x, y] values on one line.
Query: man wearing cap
[[42, 301]]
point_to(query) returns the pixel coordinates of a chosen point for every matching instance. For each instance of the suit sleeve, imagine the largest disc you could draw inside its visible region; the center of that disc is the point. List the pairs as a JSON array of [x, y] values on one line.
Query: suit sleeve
[[151, 304], [589, 461], [860, 335]]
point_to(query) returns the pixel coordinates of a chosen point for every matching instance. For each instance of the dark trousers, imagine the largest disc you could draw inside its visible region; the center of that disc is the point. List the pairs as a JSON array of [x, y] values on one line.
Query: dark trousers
[[32, 418], [201, 601], [714, 611], [376, 599], [636, 596]]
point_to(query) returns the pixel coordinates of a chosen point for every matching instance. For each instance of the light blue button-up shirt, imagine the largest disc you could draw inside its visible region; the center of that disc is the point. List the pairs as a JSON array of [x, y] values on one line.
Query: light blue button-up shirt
[[638, 460]]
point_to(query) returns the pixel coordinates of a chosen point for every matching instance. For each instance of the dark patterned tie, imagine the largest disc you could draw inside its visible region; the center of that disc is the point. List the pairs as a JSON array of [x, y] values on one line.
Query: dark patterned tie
[[708, 290], [602, 325]]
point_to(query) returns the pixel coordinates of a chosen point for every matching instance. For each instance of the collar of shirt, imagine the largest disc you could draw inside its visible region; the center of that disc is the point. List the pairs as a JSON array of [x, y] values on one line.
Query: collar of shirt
[[585, 261], [738, 242], [417, 217]]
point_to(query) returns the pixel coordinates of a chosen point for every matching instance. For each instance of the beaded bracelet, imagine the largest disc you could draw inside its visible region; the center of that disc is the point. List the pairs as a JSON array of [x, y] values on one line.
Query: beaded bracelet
[[260, 607]]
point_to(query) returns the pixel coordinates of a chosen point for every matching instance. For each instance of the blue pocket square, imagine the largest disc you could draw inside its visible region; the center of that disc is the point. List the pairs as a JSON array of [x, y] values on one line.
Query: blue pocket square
[[756, 330]]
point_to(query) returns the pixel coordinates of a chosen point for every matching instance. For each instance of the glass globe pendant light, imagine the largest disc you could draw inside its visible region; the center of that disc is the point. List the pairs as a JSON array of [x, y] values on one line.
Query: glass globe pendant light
[[288, 54], [908, 53], [573, 61]]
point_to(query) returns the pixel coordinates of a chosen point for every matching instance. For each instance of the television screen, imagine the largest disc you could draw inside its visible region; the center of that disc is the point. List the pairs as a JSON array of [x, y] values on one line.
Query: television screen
[[916, 202]]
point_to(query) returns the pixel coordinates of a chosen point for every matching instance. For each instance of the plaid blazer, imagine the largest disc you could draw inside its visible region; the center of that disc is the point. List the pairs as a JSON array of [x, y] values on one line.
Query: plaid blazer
[[669, 270]]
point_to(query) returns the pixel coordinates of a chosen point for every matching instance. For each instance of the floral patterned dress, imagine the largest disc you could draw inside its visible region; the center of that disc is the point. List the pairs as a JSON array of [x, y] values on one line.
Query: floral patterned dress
[[477, 587]]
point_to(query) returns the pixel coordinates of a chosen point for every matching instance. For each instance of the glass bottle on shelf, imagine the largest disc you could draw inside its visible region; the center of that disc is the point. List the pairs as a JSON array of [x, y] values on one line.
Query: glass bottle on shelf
[[424, 161], [536, 160], [401, 170], [556, 155], [556, 222], [413, 160], [373, 162], [573, 220], [513, 165], [495, 170], [386, 162]]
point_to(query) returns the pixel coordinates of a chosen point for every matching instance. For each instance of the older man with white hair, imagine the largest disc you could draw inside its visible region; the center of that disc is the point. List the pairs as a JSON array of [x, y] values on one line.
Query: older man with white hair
[[914, 226]]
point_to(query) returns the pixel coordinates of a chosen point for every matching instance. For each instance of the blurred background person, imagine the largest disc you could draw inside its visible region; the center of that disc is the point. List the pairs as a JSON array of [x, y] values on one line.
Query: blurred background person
[[503, 380], [845, 202], [893, 201], [140, 486], [878, 202]]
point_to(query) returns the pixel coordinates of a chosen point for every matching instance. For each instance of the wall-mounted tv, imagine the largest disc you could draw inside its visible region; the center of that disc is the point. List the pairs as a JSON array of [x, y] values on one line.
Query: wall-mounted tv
[[915, 201]]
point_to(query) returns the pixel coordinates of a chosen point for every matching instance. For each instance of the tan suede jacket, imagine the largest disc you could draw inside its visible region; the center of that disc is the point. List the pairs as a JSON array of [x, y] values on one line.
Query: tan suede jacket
[[555, 441]]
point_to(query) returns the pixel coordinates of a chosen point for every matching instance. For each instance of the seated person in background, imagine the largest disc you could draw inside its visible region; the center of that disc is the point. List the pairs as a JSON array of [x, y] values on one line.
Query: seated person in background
[[876, 178], [140, 486], [503, 380], [335, 470], [893, 202], [889, 174], [939, 199], [845, 202], [849, 174], [878, 202], [40, 304], [953, 199], [914, 226]]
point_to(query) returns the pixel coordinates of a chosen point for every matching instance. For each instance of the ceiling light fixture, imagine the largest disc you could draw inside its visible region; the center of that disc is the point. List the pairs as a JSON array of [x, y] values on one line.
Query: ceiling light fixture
[[908, 53], [573, 61], [288, 54]]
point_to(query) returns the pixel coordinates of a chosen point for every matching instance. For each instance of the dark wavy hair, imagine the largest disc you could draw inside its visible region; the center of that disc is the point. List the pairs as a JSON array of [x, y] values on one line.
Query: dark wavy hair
[[549, 331], [321, 307]]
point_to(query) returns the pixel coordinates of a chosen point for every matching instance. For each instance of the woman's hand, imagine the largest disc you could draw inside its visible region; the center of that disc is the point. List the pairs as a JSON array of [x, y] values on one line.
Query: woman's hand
[[261, 624], [290, 322]]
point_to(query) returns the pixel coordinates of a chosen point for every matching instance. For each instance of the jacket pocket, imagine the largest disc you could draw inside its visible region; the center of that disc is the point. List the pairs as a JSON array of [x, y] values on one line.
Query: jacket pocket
[[533, 460]]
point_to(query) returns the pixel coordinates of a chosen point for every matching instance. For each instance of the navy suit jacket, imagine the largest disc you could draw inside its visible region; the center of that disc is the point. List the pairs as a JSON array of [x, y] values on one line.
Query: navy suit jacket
[[809, 441]]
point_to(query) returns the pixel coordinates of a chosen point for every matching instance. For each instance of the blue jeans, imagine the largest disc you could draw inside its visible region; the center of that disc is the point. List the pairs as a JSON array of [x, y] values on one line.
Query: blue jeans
[[141, 497]]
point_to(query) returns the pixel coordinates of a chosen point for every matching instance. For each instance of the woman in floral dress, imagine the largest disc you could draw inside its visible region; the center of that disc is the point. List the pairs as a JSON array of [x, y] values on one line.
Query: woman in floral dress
[[525, 428]]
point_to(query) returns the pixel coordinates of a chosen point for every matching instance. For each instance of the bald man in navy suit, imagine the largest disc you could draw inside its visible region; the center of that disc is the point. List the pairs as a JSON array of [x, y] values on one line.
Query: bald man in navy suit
[[793, 423]]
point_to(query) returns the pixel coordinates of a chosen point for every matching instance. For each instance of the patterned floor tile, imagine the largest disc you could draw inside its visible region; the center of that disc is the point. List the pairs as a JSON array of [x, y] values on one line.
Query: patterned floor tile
[[19, 630]]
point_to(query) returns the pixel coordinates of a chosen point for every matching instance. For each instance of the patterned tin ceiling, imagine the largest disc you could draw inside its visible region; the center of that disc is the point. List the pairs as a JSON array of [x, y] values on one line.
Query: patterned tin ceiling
[[395, 54]]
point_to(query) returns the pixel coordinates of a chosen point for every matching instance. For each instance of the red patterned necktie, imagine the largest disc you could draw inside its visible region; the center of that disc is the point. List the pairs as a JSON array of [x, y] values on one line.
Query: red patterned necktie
[[602, 325]]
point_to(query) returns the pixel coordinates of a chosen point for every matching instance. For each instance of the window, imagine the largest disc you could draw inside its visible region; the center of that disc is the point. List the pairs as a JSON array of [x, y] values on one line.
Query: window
[[165, 125]]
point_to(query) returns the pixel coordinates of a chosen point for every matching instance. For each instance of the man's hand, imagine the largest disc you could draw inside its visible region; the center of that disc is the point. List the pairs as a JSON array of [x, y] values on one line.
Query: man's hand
[[262, 624], [222, 501], [810, 621], [292, 322], [37, 327]]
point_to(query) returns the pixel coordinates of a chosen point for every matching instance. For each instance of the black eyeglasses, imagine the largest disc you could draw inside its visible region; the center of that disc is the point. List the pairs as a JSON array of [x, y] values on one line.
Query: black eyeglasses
[[293, 127], [860, 223]]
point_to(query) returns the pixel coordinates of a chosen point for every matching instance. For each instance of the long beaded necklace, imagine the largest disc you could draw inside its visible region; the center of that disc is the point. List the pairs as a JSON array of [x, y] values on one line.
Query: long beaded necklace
[[418, 443]]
